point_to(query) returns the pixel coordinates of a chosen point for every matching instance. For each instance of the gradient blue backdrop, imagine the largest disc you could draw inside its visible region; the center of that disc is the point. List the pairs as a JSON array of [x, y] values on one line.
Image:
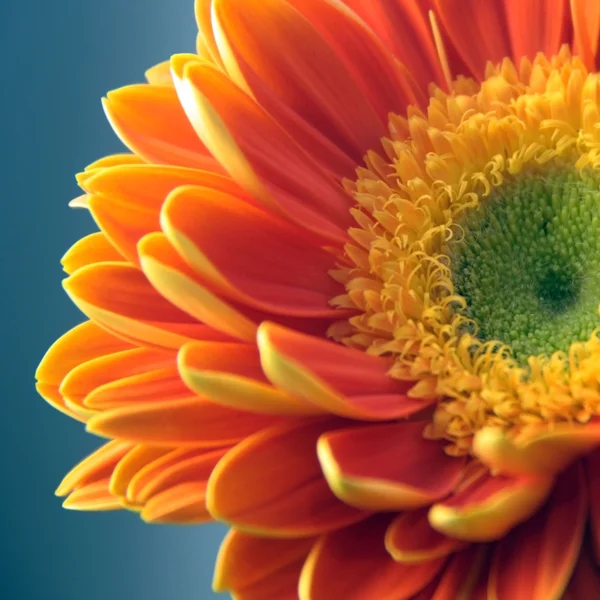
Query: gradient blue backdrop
[[59, 57]]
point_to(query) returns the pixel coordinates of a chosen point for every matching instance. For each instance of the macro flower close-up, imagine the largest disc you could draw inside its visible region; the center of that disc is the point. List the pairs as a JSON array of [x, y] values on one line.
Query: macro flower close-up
[[344, 297]]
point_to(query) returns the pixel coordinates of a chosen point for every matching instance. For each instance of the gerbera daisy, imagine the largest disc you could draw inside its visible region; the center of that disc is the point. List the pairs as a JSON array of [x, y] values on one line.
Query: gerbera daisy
[[344, 298]]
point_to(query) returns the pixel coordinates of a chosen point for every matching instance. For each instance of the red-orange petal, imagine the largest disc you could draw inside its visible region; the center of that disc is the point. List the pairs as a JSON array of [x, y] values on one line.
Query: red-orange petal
[[245, 560], [404, 27], [380, 77], [249, 255], [266, 39], [478, 31], [90, 249], [387, 467], [537, 559], [231, 375], [585, 16], [258, 153], [189, 422], [150, 121], [410, 538], [488, 507], [465, 576], [585, 582], [537, 26], [537, 449], [280, 585], [340, 380], [271, 483], [126, 200], [352, 564], [591, 465]]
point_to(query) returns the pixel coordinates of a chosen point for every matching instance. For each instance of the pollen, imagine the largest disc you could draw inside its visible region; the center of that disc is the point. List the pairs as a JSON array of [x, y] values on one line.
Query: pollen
[[474, 260]]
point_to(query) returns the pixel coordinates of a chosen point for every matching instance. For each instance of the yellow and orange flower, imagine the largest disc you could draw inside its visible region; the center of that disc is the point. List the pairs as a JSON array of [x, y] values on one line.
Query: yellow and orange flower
[[344, 298]]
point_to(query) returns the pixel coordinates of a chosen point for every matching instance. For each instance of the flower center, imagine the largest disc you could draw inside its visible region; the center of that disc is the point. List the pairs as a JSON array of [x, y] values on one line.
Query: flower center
[[474, 265], [527, 262]]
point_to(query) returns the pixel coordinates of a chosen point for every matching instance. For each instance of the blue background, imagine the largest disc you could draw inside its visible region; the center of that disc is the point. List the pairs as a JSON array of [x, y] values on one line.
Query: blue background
[[59, 57]]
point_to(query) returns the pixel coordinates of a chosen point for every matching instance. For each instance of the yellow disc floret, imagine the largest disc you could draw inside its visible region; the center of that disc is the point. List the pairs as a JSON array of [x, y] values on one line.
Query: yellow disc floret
[[474, 258]]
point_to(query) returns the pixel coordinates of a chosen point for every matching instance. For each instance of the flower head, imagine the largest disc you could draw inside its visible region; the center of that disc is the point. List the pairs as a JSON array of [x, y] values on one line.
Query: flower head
[[344, 298]]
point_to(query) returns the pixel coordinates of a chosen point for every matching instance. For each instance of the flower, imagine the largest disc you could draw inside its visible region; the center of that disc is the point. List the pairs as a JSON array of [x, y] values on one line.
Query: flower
[[344, 297]]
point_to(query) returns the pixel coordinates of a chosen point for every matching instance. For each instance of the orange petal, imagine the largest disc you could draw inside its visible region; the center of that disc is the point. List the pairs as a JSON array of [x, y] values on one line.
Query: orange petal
[[126, 200], [352, 564], [82, 343], [245, 560], [53, 397], [259, 155], [112, 160], [249, 255], [591, 464], [97, 466], [387, 467], [160, 74], [203, 12], [279, 585], [191, 422], [489, 507], [536, 560], [478, 31], [537, 26], [158, 385], [174, 468], [134, 461], [94, 496], [231, 375], [410, 539], [183, 503], [542, 450], [404, 28], [90, 249], [150, 121], [267, 38], [92, 374], [585, 16], [272, 483], [119, 297], [341, 380]]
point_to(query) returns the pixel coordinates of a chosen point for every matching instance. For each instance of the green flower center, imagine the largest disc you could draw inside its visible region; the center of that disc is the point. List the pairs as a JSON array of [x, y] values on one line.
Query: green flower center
[[527, 261]]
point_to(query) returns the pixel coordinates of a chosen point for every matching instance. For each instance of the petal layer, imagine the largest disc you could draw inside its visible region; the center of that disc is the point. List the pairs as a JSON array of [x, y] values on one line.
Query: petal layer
[[341, 380], [352, 564], [387, 467], [536, 560], [488, 507], [272, 484]]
